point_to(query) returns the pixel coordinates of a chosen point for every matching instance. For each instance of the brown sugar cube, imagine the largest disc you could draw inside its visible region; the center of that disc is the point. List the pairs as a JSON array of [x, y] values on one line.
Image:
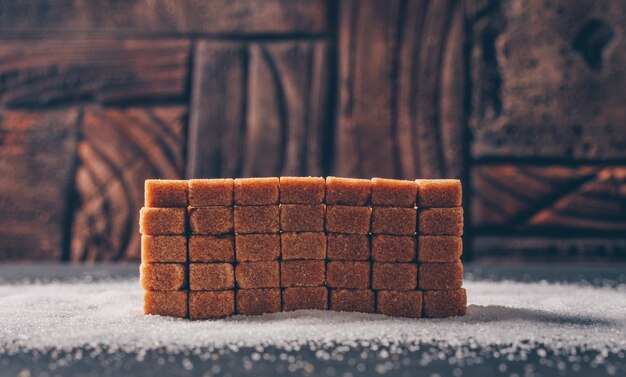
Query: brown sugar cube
[[390, 220], [305, 298], [256, 191], [393, 248], [348, 191], [400, 303], [212, 248], [164, 249], [258, 301], [162, 276], [348, 219], [165, 193], [211, 192], [441, 221], [171, 304], [302, 217], [257, 247], [157, 221], [352, 300], [396, 276], [442, 249], [211, 220], [302, 273], [353, 275], [350, 247], [440, 304], [439, 193], [256, 219], [302, 190], [211, 276], [211, 305], [263, 274], [303, 245], [440, 276], [393, 192]]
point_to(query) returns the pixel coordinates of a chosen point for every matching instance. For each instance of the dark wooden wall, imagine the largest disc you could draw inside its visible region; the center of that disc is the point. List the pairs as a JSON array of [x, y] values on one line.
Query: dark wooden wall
[[522, 100]]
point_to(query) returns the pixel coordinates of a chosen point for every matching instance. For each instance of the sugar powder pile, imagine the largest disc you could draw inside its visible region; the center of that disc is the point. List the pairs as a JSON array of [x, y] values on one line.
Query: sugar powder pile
[[564, 319]]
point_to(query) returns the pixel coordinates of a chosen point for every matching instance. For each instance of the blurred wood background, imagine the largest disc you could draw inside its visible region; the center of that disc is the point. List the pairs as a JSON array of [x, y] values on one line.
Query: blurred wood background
[[522, 100]]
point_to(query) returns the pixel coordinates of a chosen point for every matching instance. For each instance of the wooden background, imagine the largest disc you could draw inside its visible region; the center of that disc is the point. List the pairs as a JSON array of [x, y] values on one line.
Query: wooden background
[[522, 100]]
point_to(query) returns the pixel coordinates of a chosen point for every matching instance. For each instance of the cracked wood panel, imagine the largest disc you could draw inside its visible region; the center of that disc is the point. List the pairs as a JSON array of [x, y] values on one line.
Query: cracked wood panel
[[164, 16], [39, 72], [118, 149], [548, 79], [554, 199], [401, 89], [258, 109], [37, 154]]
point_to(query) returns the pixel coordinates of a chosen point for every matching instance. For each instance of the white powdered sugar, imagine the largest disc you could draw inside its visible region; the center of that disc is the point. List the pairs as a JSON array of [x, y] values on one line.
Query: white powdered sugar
[[564, 318]]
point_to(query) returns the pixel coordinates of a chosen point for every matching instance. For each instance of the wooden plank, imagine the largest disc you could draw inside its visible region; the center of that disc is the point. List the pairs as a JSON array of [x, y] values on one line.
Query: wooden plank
[[37, 150], [258, 109], [548, 249], [287, 110], [48, 71], [365, 141], [401, 80], [218, 107], [164, 17], [549, 198], [548, 79], [118, 150]]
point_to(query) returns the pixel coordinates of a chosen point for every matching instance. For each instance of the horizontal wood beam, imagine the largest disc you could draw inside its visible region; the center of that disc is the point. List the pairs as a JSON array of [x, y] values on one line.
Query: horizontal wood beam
[[164, 17], [41, 72], [552, 249]]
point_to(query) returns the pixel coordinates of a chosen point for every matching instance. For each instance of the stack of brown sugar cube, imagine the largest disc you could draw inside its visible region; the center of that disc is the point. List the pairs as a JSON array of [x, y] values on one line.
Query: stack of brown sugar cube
[[394, 268], [211, 248], [164, 263], [216, 247], [439, 247], [257, 245], [349, 269]]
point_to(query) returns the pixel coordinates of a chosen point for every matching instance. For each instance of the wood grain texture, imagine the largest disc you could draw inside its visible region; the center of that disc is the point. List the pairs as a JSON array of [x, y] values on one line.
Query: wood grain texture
[[557, 199], [48, 71], [164, 16], [548, 249], [37, 150], [258, 109], [401, 80], [117, 151], [548, 79], [218, 107]]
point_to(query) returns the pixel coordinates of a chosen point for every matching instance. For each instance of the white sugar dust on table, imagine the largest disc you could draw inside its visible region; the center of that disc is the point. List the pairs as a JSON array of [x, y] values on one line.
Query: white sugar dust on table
[[559, 318]]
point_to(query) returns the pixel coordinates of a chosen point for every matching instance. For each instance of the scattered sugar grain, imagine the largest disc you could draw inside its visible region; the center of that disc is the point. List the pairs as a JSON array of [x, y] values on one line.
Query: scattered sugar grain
[[555, 322]]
